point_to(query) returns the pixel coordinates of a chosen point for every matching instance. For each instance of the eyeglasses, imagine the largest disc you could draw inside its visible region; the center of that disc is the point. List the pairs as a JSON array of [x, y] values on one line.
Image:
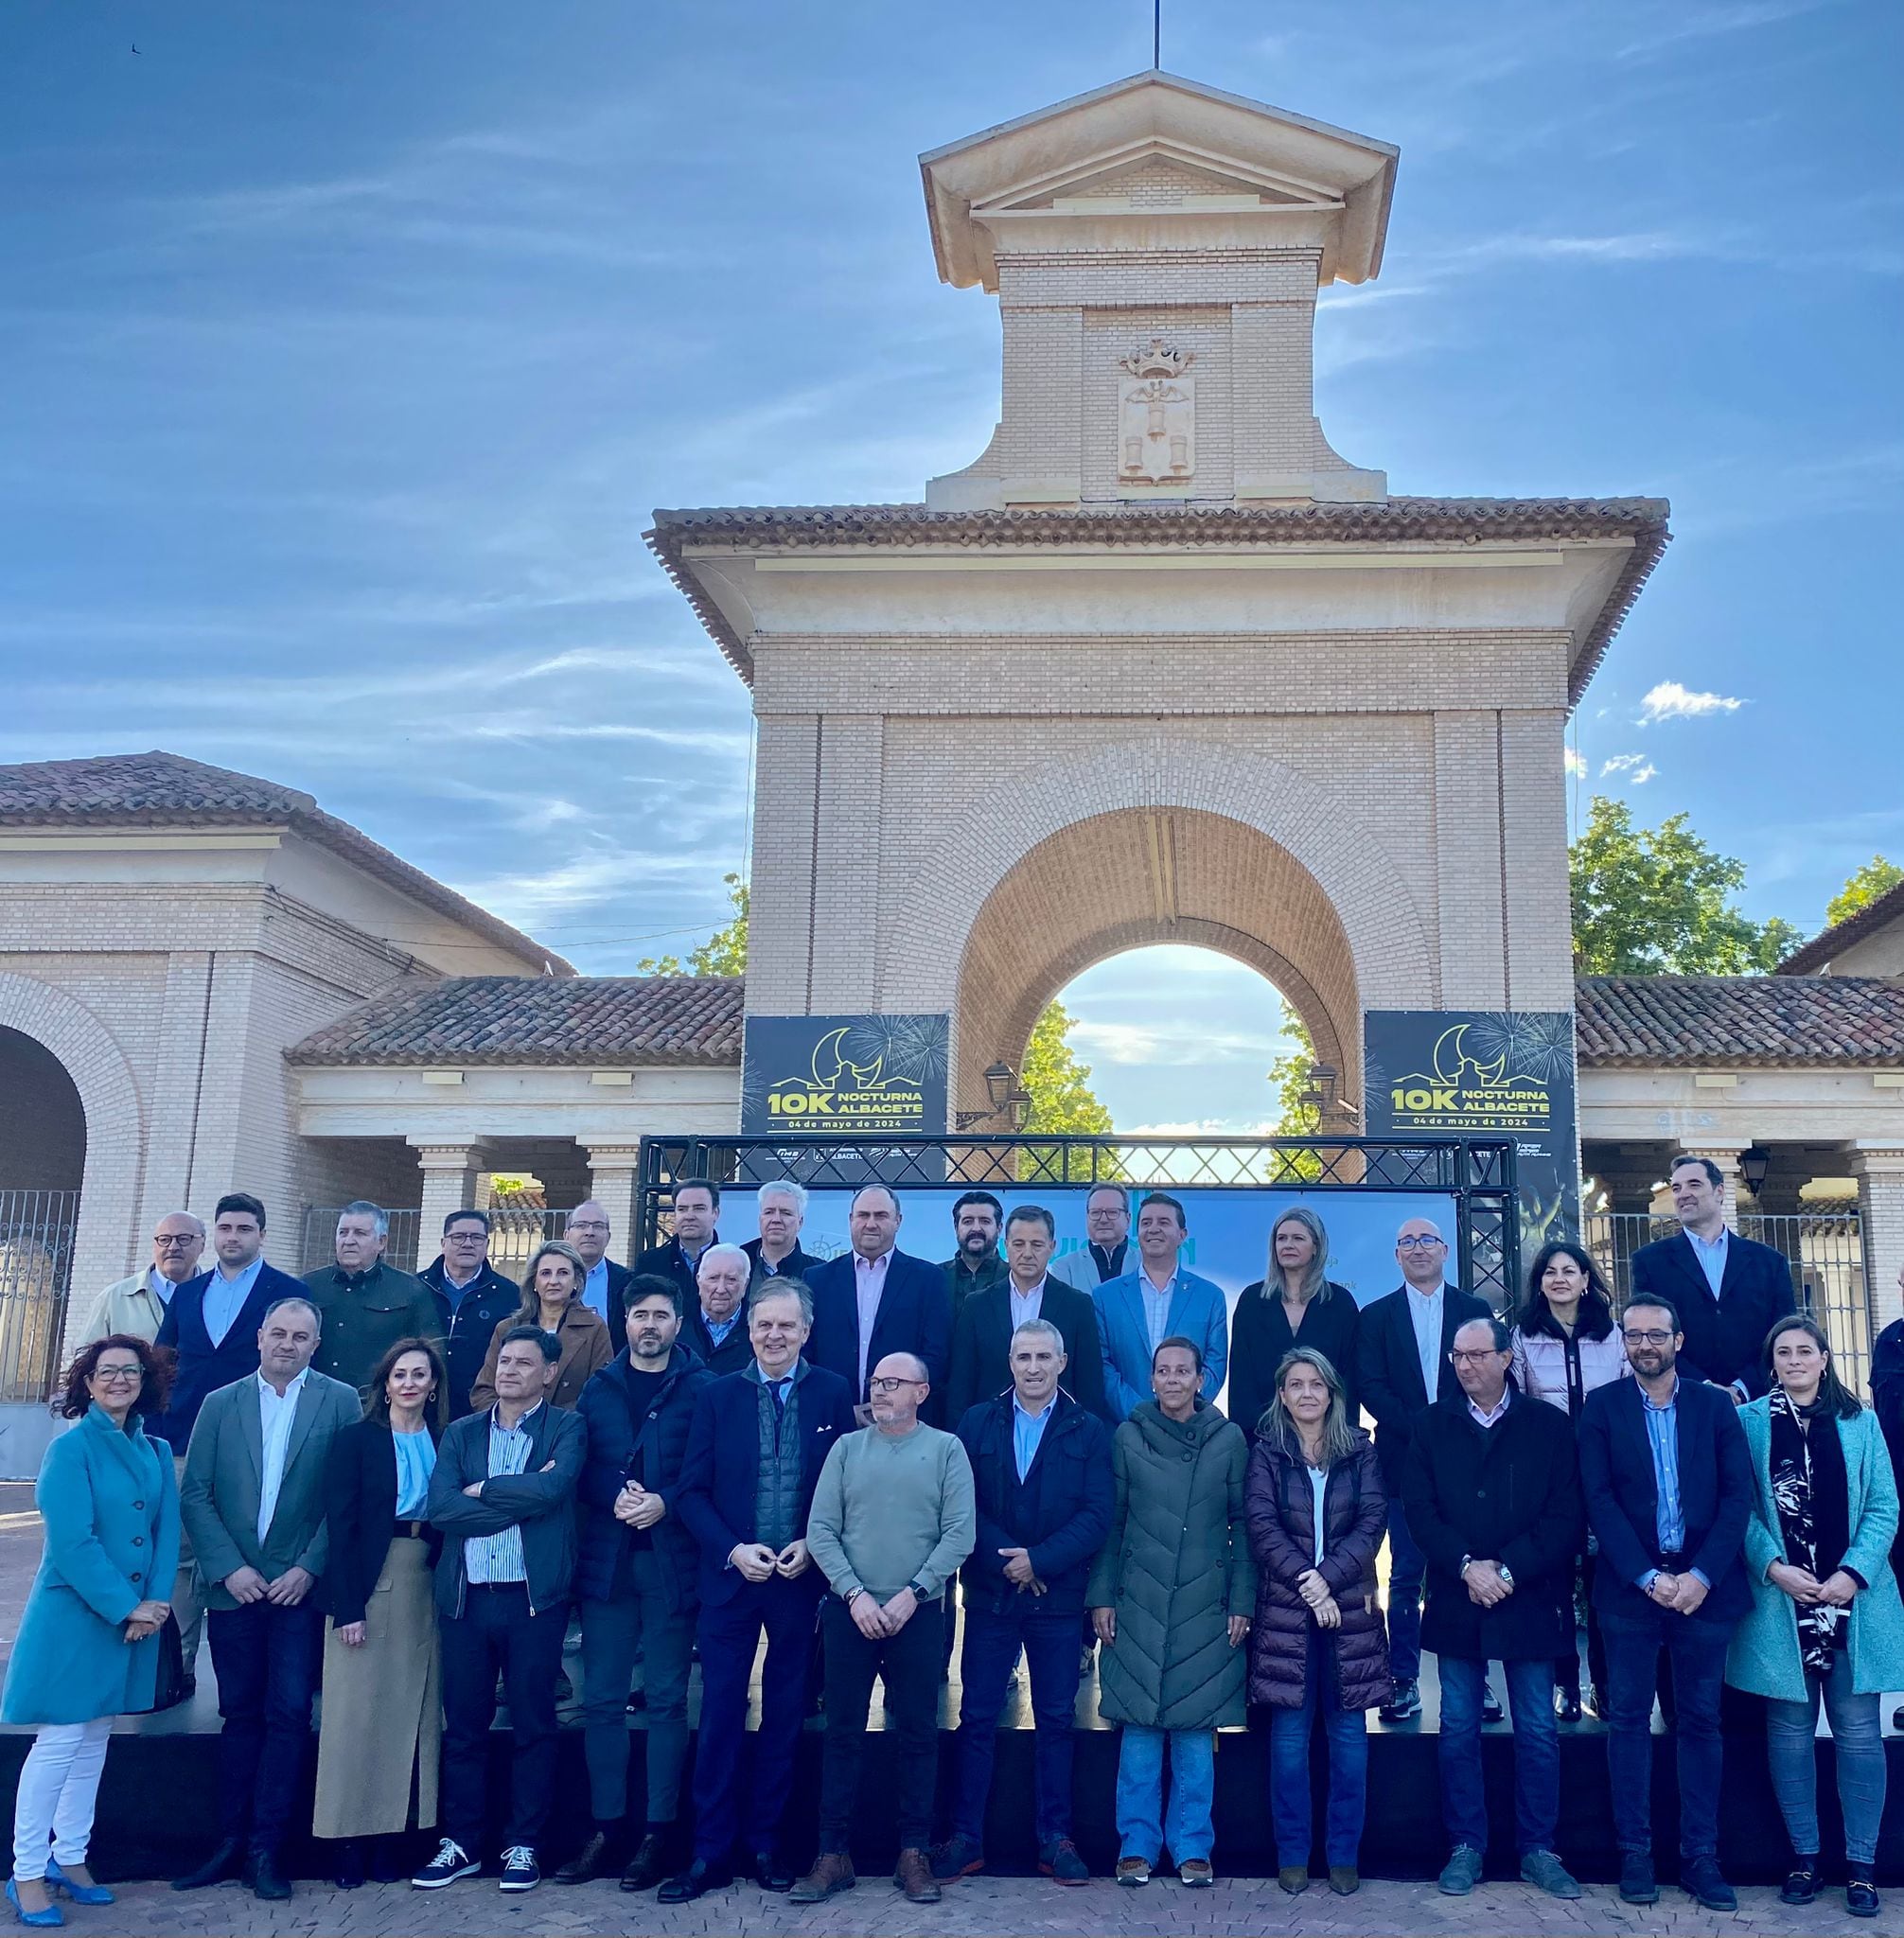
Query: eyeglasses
[[464, 1237], [1654, 1338], [894, 1386], [1419, 1244], [1473, 1359], [167, 1243], [119, 1376], [586, 1225]]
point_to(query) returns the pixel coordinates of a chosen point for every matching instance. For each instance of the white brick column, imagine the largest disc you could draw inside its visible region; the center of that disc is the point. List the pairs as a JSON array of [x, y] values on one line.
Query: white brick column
[[613, 1172], [449, 1184], [1880, 1208]]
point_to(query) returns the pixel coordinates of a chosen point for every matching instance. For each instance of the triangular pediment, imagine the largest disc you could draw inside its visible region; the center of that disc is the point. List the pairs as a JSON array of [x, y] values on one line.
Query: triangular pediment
[[1159, 174]]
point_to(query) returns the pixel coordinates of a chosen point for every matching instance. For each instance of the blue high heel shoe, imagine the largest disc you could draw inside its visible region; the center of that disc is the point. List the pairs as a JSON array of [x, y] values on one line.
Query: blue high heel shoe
[[51, 1915], [79, 1894]]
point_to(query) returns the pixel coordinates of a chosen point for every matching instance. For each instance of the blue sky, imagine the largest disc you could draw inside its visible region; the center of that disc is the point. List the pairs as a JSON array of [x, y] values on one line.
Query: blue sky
[[349, 346]]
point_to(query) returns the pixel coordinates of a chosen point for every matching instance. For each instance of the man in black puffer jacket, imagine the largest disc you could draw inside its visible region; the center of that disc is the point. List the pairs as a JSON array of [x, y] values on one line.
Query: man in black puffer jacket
[[1041, 1474], [1492, 1487], [636, 1576]]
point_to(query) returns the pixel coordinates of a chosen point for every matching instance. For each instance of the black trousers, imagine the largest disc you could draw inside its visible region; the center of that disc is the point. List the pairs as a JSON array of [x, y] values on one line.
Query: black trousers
[[908, 1664], [267, 1661], [496, 1630]]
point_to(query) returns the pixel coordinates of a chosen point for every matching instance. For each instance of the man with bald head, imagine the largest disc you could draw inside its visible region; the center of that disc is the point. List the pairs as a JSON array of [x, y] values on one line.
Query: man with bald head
[[877, 1299], [715, 1331], [893, 1519], [604, 1290], [1402, 1368], [136, 1306]]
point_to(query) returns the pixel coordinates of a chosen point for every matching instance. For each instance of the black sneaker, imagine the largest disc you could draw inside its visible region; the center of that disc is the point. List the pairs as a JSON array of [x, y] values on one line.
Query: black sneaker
[[1802, 1882], [450, 1862], [1490, 1704], [520, 1871], [1637, 1883], [1404, 1704], [1702, 1877]]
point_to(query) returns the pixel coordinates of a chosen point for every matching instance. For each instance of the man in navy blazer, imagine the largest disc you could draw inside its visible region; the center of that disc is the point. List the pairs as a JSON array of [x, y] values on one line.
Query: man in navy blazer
[[877, 1300], [1728, 1291], [756, 1446], [1669, 1486]]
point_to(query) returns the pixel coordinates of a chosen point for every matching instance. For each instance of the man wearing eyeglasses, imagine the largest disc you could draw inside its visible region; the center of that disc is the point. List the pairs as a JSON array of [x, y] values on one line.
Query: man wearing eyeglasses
[[473, 1299], [136, 1306], [893, 1520], [1493, 1491], [1668, 1487], [1401, 1366]]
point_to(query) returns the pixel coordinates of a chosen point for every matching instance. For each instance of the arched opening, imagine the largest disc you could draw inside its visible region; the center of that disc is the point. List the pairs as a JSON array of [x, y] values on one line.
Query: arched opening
[[42, 1122], [1126, 880], [43, 1166]]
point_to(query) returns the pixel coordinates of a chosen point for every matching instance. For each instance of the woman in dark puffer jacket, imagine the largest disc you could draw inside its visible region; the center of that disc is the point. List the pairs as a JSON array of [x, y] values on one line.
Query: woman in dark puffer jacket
[[1318, 1640]]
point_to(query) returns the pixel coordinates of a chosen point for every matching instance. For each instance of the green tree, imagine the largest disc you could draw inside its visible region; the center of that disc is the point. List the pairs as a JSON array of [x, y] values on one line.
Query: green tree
[[1877, 877], [1658, 901], [1299, 1115], [1059, 1086], [724, 953]]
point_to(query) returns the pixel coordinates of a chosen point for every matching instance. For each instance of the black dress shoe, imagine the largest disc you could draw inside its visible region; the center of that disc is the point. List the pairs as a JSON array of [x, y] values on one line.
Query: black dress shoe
[[384, 1865], [228, 1860], [1566, 1705], [770, 1873], [267, 1880], [695, 1882], [346, 1867], [594, 1859], [648, 1865], [1490, 1704]]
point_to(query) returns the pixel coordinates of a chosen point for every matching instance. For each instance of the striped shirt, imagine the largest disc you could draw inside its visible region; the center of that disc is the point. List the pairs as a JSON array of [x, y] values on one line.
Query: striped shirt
[[493, 1558]]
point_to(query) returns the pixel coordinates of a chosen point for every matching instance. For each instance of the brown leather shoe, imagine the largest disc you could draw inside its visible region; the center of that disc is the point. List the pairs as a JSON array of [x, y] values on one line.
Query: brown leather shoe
[[913, 1876], [832, 1874]]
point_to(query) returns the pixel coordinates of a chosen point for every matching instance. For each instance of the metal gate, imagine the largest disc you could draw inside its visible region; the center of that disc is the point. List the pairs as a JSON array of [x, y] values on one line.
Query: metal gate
[[515, 1231], [36, 1267], [1825, 1251]]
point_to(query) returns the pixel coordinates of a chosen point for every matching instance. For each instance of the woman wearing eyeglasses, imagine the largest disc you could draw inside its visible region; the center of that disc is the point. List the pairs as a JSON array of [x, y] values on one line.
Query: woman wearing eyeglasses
[[1566, 1346], [88, 1649], [1825, 1620]]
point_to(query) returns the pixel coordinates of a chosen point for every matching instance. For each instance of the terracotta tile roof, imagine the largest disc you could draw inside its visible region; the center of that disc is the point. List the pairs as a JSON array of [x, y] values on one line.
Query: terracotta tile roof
[[1734, 1020], [161, 789], [1468, 519], [1831, 943], [599, 1020]]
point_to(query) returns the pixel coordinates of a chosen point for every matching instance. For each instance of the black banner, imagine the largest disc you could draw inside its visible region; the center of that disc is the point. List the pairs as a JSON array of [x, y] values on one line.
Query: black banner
[[1478, 1071]]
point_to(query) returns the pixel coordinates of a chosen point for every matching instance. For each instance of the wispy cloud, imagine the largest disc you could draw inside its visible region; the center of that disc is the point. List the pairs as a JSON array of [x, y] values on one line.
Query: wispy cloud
[[1635, 766], [1670, 700]]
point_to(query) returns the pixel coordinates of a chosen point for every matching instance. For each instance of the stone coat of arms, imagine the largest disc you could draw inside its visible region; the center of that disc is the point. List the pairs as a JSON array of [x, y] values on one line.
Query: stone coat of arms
[[1157, 415]]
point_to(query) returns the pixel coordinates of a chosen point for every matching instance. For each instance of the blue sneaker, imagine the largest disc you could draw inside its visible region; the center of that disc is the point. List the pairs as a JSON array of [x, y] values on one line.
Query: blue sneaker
[[80, 1894], [51, 1915]]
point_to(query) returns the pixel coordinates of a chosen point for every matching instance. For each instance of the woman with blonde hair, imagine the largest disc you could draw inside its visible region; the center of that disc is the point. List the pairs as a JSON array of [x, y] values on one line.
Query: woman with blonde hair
[[552, 1301], [1295, 1303]]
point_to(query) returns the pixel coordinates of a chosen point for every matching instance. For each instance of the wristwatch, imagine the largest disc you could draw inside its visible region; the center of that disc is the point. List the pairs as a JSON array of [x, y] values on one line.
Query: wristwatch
[[918, 1592]]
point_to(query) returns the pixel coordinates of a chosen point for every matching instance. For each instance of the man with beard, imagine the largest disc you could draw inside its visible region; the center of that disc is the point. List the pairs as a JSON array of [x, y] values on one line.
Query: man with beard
[[1668, 1486], [976, 1267]]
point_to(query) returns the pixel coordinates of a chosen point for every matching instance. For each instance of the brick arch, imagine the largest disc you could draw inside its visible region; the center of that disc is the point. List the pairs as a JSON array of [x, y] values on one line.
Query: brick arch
[[109, 1094]]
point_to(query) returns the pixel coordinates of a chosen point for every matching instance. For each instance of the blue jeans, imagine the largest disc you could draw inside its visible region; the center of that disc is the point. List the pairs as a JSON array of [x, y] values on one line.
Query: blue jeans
[[1696, 1651], [1537, 1751], [1858, 1744], [1346, 1733], [267, 1661], [1143, 1828], [1407, 1571], [1049, 1640]]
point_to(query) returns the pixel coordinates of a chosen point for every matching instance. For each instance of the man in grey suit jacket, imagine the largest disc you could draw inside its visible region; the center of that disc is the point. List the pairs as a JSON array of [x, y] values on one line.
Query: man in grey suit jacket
[[253, 1502], [1106, 1251]]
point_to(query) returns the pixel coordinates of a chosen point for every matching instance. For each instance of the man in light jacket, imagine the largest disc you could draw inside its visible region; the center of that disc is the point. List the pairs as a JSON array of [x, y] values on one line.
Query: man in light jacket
[[136, 1306], [1160, 1299]]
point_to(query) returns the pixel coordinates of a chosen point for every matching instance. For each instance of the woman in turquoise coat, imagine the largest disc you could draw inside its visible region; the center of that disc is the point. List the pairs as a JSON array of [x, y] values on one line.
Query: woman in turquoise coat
[[1826, 1619], [88, 1649]]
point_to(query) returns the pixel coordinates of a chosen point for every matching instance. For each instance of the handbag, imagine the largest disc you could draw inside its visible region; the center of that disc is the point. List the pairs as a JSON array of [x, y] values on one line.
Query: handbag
[[169, 1689]]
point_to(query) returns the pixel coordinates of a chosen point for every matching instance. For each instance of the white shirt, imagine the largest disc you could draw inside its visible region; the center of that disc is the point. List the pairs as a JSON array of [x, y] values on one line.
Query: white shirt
[[1157, 1306], [1499, 1408], [1425, 1310], [1026, 1305], [869, 1286], [275, 1415]]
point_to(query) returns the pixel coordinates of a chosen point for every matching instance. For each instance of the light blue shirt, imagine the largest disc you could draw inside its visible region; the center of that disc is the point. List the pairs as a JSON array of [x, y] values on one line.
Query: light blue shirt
[[1712, 1256], [492, 1558], [159, 1286], [225, 1299], [1028, 1434], [596, 1290], [415, 1463], [1157, 1306], [717, 1333], [1669, 1518]]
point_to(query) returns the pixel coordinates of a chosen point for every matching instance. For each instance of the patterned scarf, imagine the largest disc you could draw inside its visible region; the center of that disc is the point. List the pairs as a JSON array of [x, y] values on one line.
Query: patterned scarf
[[1819, 1629]]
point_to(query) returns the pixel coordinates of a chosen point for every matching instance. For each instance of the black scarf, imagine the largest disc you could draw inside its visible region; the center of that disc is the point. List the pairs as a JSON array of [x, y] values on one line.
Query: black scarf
[[1811, 1492]]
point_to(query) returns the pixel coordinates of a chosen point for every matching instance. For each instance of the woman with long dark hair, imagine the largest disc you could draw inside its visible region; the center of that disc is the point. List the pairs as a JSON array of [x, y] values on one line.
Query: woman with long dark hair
[[1315, 1510], [1825, 1621], [1565, 1344], [88, 1649], [1294, 1303], [382, 1706]]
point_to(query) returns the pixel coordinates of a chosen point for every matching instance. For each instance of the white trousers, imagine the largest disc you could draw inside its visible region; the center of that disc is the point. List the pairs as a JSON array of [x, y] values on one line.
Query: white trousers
[[58, 1785]]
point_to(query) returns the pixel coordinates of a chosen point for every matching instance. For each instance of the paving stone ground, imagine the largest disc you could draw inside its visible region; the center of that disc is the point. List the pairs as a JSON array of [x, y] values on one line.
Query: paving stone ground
[[976, 1907]]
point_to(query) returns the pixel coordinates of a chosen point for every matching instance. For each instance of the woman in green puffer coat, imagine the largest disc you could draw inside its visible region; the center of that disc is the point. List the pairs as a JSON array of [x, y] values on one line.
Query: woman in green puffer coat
[[1170, 1598]]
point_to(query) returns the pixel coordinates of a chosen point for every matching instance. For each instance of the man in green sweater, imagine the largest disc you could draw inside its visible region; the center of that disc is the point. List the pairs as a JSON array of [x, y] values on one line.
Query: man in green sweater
[[893, 1519]]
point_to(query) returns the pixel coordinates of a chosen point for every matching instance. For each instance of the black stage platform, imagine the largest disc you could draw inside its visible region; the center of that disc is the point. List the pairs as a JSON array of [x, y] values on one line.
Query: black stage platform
[[157, 1803]]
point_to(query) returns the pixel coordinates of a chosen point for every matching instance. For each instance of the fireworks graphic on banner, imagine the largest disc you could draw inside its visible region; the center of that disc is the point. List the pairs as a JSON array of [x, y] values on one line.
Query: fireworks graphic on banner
[[1537, 1043]]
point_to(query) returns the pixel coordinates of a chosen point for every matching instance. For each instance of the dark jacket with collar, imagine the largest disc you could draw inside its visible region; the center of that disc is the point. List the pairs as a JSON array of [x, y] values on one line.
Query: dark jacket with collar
[[797, 1264], [543, 1505], [1388, 1370], [467, 1328], [734, 1354], [360, 1506], [981, 1347], [618, 1438], [203, 1367], [720, 1470], [962, 1284], [1724, 1336], [1622, 1496], [364, 1315], [1061, 1511], [915, 1315], [1887, 1402], [1508, 1493], [665, 1261]]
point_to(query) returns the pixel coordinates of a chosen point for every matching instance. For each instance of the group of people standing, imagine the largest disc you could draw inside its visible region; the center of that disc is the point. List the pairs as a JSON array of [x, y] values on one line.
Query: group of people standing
[[406, 1487]]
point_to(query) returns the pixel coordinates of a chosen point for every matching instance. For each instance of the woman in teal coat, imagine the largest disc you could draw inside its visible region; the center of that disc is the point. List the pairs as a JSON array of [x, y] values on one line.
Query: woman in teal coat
[[88, 1647], [1825, 1618]]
